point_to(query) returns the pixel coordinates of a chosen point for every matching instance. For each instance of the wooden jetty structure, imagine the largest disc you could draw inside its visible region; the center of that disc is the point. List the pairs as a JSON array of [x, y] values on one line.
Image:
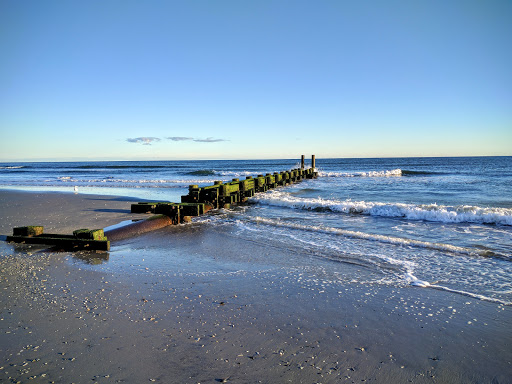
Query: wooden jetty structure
[[81, 239], [198, 201]]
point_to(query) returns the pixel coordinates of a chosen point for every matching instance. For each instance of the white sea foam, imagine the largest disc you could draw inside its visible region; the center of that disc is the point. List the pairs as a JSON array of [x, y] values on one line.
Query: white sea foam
[[136, 181], [414, 281], [234, 173], [427, 212], [13, 167], [388, 173], [470, 294]]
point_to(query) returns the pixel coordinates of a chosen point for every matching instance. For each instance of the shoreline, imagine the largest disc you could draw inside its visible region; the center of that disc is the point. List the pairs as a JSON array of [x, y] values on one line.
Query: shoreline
[[195, 303]]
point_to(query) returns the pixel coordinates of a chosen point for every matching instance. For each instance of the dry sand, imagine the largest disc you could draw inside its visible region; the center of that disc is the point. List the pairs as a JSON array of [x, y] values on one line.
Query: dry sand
[[195, 304]]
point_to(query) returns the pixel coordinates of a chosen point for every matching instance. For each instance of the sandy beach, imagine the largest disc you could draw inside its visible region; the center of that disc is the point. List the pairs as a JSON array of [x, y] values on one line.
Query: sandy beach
[[196, 304]]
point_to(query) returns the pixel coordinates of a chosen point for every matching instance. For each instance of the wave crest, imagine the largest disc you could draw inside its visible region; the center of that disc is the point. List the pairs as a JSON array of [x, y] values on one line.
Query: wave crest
[[235, 173], [426, 212], [388, 173]]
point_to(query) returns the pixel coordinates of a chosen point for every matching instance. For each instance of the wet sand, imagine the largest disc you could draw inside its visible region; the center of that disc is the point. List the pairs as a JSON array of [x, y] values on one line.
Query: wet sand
[[196, 304]]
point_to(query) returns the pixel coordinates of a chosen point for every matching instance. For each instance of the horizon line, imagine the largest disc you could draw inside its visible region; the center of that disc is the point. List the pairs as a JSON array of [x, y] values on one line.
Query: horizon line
[[71, 160]]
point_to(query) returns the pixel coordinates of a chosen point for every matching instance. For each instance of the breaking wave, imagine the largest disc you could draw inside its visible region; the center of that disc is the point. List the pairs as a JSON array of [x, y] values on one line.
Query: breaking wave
[[236, 173], [387, 173], [391, 173], [426, 212], [208, 172]]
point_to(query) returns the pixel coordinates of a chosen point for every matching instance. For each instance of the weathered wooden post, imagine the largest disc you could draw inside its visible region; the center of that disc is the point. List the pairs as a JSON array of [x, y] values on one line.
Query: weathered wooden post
[[302, 162], [88, 239], [313, 162]]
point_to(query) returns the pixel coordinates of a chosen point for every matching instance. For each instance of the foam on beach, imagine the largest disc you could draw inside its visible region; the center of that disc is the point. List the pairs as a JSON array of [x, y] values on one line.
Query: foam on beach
[[415, 282], [396, 269], [380, 238], [392, 267]]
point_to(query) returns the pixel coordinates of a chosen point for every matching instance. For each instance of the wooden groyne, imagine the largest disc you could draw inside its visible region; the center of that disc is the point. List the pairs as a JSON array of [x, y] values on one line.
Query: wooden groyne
[[88, 239], [198, 201], [222, 195]]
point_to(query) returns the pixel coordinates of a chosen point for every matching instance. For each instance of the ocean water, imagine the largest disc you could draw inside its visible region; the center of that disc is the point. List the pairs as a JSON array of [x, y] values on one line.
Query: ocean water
[[434, 223]]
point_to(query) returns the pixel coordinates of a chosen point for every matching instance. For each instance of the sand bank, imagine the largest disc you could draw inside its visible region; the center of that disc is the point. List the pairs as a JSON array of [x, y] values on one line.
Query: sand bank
[[197, 304]]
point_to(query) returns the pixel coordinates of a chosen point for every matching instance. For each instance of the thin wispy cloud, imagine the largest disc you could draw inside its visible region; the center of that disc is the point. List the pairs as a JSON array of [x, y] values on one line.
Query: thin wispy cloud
[[143, 140], [180, 138], [209, 140], [150, 140]]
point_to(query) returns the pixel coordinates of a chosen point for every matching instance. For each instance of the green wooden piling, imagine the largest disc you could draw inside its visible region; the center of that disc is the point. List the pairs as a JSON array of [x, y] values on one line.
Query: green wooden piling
[[31, 230], [82, 239]]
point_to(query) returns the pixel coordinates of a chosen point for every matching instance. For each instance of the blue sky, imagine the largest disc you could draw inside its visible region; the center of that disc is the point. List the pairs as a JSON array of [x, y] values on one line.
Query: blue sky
[[123, 80]]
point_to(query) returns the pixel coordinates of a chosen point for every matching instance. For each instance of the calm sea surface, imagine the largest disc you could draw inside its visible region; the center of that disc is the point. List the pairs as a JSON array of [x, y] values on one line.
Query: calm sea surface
[[439, 223]]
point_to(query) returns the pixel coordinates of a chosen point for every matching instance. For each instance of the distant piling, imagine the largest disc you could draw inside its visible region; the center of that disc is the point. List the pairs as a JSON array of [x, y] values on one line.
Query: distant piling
[[313, 162]]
